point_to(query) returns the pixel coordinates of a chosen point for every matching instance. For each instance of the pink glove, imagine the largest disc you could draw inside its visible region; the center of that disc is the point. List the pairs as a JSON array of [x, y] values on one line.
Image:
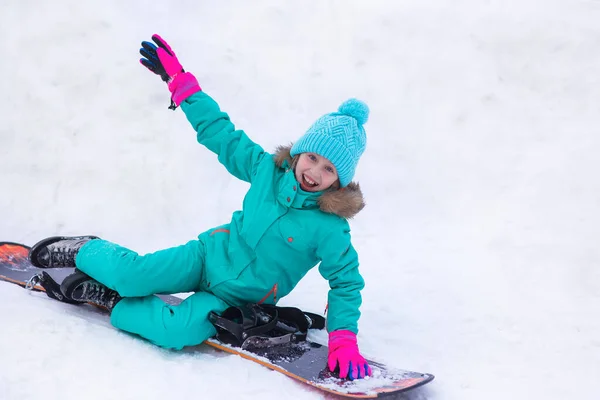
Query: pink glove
[[162, 61], [343, 351], [183, 86]]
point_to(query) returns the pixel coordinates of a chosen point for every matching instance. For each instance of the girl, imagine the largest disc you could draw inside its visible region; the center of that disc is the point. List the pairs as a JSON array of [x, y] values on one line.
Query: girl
[[294, 217]]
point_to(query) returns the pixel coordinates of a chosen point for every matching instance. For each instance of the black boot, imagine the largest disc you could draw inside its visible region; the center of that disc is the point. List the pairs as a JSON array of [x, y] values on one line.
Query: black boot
[[80, 287], [57, 251]]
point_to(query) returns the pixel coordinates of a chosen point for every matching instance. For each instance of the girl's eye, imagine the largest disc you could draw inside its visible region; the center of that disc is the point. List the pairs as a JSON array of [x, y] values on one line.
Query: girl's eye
[[329, 169], [312, 157]]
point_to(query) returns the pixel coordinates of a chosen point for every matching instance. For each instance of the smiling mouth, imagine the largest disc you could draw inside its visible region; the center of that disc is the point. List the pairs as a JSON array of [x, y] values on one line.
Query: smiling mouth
[[307, 182]]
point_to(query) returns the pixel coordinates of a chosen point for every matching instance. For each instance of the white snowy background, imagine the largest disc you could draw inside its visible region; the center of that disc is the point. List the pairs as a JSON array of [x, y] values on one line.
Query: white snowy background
[[479, 241]]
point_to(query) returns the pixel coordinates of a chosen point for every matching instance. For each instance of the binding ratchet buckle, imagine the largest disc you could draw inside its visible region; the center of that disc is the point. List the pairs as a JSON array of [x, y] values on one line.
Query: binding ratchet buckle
[[34, 280]]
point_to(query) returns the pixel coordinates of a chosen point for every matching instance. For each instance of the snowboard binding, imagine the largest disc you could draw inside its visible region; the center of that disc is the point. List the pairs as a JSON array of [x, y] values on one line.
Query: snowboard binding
[[51, 287], [254, 326]]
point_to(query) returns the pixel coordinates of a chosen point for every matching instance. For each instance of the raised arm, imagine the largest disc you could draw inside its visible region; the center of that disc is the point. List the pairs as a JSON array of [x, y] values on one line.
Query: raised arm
[[235, 150], [214, 129]]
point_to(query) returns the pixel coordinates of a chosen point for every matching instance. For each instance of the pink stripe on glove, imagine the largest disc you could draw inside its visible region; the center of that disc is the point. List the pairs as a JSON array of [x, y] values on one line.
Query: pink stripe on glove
[[182, 86]]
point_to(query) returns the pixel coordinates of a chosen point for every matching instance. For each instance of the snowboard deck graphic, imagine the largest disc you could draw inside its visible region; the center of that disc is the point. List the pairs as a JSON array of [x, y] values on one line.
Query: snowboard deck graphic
[[305, 361]]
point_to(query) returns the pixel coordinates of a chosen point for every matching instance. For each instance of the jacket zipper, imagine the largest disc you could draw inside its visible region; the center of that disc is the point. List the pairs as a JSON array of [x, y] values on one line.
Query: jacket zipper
[[273, 292]]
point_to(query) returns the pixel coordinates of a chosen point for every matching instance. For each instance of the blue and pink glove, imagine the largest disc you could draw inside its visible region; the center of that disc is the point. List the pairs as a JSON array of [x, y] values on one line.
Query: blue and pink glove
[[343, 351], [161, 60]]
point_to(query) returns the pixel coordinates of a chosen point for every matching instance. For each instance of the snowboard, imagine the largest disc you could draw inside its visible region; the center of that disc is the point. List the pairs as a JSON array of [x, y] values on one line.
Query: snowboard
[[304, 361]]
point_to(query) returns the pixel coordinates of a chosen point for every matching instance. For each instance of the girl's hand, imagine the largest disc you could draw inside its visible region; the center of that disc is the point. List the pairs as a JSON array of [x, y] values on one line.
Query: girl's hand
[[161, 60], [343, 351]]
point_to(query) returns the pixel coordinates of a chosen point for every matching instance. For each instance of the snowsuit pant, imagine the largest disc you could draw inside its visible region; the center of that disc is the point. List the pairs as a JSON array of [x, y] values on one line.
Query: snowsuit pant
[[137, 278]]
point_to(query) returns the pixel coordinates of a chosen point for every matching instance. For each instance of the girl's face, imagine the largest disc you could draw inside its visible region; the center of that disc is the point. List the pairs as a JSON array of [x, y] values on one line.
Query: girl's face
[[315, 173]]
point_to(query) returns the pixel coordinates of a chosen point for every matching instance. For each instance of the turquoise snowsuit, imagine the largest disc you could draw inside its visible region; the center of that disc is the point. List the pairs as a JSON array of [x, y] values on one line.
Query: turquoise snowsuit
[[260, 256]]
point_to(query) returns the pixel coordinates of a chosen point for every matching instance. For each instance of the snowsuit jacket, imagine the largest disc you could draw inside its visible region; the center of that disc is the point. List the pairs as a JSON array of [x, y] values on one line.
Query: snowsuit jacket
[[282, 231]]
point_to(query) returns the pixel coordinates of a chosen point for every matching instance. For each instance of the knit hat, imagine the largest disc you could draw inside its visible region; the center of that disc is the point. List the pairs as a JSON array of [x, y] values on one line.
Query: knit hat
[[339, 137]]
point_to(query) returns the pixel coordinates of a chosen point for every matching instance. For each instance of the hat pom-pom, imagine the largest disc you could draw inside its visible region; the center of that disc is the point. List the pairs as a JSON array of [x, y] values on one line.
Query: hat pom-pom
[[356, 109]]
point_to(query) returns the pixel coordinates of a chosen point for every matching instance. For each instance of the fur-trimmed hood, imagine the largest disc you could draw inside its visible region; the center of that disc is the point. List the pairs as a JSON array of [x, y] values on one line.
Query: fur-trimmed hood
[[345, 202]]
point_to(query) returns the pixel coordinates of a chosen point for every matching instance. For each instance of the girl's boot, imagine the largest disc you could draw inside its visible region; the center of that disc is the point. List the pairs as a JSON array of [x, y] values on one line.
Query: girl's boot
[[80, 287], [57, 251]]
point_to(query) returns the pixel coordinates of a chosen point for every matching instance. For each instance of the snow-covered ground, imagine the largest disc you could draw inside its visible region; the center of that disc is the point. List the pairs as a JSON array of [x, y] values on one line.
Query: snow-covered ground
[[479, 241]]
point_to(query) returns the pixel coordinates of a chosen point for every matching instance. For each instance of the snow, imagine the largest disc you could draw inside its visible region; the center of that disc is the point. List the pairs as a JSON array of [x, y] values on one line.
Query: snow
[[479, 241]]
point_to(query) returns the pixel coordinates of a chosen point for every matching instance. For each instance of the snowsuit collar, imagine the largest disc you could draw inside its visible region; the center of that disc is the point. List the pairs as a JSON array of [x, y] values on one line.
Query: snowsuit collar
[[345, 202], [306, 199]]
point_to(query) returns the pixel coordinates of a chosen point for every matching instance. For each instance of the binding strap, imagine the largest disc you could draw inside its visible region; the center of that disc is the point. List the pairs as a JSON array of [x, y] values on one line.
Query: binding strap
[[51, 287], [243, 322], [303, 320], [264, 325]]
